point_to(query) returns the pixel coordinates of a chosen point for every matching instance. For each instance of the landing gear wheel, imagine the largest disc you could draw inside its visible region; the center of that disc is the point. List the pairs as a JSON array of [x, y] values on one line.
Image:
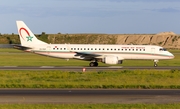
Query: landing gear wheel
[[155, 63], [93, 64]]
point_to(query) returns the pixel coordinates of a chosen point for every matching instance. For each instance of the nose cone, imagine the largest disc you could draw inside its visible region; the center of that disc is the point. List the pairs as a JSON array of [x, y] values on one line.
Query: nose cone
[[171, 56]]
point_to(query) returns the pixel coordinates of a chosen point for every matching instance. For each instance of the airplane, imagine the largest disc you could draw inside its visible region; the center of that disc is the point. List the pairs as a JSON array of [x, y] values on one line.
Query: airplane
[[108, 54]]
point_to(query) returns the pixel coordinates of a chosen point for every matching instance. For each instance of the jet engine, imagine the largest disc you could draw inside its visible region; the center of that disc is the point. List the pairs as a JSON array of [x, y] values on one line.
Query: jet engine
[[112, 60]]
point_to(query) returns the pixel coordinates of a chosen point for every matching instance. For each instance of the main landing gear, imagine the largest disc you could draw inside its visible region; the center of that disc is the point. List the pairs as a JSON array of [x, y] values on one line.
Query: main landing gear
[[93, 64], [155, 63]]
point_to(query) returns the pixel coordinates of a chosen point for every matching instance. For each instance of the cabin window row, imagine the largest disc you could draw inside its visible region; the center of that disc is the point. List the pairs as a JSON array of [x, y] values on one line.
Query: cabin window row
[[108, 49]]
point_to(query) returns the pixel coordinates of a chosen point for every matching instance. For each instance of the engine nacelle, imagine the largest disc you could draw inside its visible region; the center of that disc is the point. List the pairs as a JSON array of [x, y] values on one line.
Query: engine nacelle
[[112, 60]]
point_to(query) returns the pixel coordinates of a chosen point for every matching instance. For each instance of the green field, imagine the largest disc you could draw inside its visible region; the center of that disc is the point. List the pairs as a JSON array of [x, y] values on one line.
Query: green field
[[90, 106], [13, 57], [122, 79], [142, 79]]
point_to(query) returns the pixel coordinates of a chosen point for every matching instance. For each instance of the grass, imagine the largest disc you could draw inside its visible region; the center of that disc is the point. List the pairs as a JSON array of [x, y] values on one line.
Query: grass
[[89, 106], [13, 57], [123, 79], [141, 79], [102, 79]]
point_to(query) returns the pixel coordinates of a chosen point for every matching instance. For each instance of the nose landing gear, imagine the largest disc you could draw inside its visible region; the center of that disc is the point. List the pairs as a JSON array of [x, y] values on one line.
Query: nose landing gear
[[155, 63]]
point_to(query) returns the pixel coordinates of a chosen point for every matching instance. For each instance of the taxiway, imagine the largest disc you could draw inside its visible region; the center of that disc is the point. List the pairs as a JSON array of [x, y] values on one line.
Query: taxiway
[[77, 96], [80, 68]]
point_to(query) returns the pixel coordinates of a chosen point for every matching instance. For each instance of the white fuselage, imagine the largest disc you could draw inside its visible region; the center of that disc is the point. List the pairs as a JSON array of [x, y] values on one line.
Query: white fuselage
[[121, 51], [109, 54]]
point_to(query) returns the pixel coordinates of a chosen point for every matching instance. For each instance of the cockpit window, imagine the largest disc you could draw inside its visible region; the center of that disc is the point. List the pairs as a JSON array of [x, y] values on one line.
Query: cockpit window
[[162, 49]]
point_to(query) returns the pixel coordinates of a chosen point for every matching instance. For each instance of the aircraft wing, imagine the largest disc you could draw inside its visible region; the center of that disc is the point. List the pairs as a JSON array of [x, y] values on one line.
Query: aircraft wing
[[86, 54], [20, 47]]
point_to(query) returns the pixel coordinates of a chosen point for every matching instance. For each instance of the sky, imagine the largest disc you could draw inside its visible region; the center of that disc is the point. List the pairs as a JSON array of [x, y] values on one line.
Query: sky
[[91, 16]]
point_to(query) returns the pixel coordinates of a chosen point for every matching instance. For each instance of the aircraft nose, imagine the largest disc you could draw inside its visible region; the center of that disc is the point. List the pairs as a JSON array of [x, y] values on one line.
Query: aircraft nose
[[171, 56]]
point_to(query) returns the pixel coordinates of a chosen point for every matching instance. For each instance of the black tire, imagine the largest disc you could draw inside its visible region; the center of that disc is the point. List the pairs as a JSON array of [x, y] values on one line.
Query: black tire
[[91, 64], [95, 64], [155, 65]]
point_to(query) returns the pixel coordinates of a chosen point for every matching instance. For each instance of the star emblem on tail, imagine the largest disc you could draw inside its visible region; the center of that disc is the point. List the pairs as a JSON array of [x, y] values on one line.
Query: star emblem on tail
[[29, 38]]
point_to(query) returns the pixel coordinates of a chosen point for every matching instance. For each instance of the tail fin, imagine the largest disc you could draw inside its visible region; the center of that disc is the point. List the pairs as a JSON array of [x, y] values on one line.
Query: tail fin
[[27, 38]]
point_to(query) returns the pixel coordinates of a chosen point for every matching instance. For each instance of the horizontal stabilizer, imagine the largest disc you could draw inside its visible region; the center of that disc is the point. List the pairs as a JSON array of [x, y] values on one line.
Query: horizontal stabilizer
[[20, 47]]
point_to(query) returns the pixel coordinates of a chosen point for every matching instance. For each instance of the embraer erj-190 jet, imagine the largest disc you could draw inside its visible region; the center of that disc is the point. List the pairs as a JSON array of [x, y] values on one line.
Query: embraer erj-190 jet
[[108, 54]]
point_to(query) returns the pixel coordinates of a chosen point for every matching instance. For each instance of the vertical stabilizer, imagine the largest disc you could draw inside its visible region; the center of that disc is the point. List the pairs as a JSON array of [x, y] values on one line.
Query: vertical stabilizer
[[27, 38]]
